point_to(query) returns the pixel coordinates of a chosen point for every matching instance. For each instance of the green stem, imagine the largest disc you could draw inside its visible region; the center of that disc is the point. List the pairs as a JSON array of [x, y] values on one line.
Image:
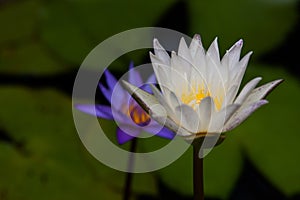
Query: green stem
[[129, 175], [198, 174]]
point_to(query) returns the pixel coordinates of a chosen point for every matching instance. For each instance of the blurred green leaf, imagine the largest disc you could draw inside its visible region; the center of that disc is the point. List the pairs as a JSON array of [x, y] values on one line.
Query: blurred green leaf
[[74, 33], [44, 157], [62, 33], [270, 136], [17, 20], [262, 24], [30, 58], [221, 170]]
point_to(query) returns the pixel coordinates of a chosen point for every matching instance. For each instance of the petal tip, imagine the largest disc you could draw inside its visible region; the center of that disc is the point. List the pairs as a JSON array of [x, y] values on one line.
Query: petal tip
[[197, 37], [240, 43]]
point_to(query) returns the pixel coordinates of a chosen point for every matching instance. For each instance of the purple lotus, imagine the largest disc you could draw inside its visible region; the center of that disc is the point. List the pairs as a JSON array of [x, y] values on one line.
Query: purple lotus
[[130, 117]]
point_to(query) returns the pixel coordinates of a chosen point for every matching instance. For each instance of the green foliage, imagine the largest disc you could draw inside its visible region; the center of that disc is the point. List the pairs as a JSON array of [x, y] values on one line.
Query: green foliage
[[261, 23], [45, 157], [271, 138]]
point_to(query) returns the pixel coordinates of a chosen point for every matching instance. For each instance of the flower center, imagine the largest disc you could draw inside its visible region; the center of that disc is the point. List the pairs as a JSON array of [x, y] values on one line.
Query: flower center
[[138, 115], [195, 96]]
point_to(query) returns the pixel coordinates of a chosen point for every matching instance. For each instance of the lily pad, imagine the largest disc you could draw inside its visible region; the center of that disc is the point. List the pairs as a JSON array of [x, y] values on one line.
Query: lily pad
[[44, 157], [270, 136], [254, 21], [18, 20], [29, 58], [74, 33], [221, 169]]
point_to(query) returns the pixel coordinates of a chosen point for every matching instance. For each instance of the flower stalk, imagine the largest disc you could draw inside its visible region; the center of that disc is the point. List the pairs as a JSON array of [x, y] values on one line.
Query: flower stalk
[[198, 173], [129, 175]]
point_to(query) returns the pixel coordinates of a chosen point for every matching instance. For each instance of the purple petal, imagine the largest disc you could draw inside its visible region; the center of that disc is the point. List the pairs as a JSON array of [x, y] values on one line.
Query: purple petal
[[166, 133], [106, 92], [123, 137], [134, 76], [120, 97], [110, 79], [157, 130], [150, 80], [96, 110]]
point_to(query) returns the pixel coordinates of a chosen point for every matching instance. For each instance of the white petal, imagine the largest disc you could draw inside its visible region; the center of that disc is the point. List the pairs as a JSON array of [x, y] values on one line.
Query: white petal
[[148, 102], [170, 124], [205, 110], [230, 96], [180, 71], [195, 45], [214, 73], [200, 61], [163, 102], [161, 72], [173, 99], [213, 51], [238, 72], [189, 118], [183, 51], [232, 56], [220, 118], [247, 90], [145, 99], [262, 91], [243, 114], [160, 52]]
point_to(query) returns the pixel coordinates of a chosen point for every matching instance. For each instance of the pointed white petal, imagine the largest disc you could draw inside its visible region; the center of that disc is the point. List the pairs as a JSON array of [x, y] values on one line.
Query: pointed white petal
[[173, 99], [230, 96], [150, 104], [232, 56], [163, 102], [205, 113], [200, 61], [161, 72], [243, 114], [177, 64], [213, 51], [239, 69], [195, 45], [237, 73], [183, 51], [247, 90], [143, 98], [220, 118], [188, 118], [160, 52], [262, 91]]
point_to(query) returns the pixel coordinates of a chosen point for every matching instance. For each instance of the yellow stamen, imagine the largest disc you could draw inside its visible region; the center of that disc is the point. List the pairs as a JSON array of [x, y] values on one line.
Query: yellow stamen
[[138, 115], [195, 96]]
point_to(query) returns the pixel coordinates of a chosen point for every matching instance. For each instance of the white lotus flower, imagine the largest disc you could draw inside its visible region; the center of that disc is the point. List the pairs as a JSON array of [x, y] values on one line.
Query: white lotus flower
[[199, 91]]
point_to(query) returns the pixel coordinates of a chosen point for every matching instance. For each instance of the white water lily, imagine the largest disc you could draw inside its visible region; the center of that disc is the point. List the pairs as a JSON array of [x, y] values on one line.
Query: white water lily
[[199, 90]]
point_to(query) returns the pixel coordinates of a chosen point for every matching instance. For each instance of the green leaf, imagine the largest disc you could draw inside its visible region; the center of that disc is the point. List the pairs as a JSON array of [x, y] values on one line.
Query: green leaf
[[44, 156], [18, 20], [270, 136], [221, 170], [62, 33], [255, 21], [74, 33], [30, 58]]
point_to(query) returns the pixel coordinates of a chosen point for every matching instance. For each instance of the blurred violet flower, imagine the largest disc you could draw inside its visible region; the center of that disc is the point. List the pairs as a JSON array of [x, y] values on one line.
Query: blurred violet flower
[[131, 118]]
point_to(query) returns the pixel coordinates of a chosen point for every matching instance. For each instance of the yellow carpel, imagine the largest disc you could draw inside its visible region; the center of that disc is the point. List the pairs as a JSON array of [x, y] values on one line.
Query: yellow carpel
[[194, 97]]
